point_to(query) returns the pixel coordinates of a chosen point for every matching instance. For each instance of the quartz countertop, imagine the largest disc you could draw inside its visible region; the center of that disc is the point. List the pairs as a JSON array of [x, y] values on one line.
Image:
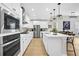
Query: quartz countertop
[[58, 35], [6, 33]]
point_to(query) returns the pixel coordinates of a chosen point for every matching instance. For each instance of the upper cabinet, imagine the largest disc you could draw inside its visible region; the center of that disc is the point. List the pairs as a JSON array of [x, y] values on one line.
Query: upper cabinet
[[14, 7]]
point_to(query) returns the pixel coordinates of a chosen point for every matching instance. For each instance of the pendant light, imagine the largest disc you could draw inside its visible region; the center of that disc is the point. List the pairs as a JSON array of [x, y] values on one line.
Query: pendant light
[[59, 5], [23, 15], [51, 18], [54, 14], [54, 19]]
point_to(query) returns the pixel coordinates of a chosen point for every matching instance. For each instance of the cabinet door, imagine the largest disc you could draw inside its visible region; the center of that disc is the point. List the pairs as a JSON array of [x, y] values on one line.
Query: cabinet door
[[25, 40], [15, 7], [24, 43], [21, 45], [56, 46], [28, 40]]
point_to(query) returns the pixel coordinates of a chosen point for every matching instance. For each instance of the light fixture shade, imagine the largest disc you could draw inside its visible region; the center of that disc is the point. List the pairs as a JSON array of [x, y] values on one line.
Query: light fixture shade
[[51, 16], [54, 18], [59, 5]]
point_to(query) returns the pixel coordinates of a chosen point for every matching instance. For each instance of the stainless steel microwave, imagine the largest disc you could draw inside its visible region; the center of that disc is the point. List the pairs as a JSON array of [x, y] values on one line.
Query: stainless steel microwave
[[6, 20]]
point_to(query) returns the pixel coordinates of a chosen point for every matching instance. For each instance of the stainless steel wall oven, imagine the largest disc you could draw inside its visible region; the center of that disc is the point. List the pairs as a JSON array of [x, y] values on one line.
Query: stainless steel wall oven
[[10, 45]]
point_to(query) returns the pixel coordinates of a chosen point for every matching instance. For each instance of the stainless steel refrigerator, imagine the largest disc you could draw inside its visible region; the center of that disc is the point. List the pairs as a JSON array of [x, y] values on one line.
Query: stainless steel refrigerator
[[36, 31]]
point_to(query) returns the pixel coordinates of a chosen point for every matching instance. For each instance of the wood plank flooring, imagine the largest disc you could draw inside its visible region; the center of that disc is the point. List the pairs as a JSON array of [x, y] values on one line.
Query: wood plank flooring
[[36, 48], [76, 44]]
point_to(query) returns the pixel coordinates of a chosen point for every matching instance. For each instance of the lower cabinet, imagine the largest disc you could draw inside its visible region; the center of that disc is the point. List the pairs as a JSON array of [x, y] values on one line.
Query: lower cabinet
[[55, 46], [25, 41]]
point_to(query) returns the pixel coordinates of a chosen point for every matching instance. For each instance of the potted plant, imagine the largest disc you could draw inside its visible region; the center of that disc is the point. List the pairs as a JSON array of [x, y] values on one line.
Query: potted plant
[[54, 30]]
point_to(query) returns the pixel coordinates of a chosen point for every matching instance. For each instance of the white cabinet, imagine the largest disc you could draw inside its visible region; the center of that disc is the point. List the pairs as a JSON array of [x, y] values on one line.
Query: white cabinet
[[15, 7], [55, 46], [43, 24], [14, 10], [22, 43], [25, 40]]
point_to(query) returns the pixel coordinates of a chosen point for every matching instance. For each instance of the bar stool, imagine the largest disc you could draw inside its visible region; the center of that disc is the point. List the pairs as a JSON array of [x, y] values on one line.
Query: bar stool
[[71, 41]]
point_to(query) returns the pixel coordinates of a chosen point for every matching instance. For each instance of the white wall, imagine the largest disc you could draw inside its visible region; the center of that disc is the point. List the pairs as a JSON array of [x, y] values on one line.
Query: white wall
[[72, 23], [29, 25], [77, 27], [12, 6], [43, 24]]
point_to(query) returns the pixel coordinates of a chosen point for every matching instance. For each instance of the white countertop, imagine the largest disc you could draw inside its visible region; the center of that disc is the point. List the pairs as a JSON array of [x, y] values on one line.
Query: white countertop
[[9, 33], [44, 32], [5, 34], [58, 35]]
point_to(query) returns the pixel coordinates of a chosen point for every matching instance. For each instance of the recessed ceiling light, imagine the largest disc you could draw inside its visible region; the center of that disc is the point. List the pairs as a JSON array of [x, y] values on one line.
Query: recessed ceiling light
[[33, 9], [47, 9]]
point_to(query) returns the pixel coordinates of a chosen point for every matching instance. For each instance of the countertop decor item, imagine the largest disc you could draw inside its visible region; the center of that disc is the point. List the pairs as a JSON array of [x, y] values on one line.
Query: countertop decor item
[[54, 30]]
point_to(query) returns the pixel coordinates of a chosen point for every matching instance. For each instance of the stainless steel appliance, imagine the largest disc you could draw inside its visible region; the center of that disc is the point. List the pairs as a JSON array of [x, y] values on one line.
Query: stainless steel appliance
[[0, 20], [6, 20], [36, 31], [10, 22], [10, 45]]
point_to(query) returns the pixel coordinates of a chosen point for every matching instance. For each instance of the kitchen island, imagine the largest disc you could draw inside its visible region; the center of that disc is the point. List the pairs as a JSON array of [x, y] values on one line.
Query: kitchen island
[[55, 45]]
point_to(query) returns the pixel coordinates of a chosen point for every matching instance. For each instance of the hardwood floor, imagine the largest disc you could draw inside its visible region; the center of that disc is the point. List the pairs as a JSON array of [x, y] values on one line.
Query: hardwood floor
[[36, 48], [76, 44], [70, 51]]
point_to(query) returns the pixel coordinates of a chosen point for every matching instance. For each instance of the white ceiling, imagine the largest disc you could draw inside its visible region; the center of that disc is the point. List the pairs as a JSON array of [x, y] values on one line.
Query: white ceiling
[[42, 10]]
